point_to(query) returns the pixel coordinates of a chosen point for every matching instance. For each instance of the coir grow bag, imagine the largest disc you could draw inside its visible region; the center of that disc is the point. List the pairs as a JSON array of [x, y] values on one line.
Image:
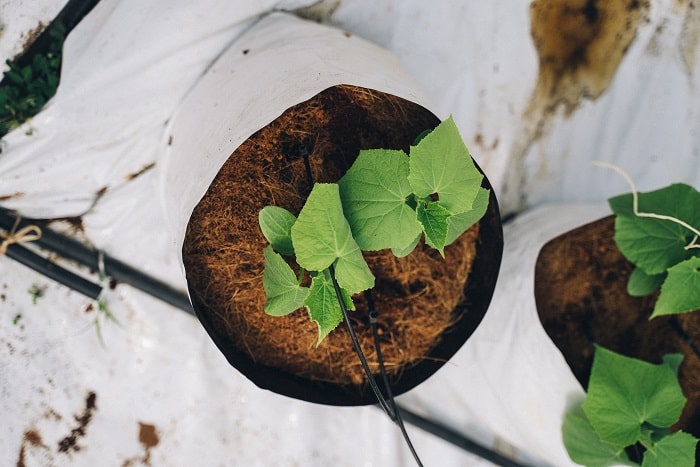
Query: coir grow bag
[[288, 98], [581, 297]]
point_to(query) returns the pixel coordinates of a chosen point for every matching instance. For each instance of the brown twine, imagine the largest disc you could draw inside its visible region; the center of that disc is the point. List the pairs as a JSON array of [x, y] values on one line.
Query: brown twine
[[29, 233]]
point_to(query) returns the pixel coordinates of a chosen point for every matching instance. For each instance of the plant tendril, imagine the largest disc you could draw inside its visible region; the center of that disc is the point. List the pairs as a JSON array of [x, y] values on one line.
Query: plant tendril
[[635, 204]]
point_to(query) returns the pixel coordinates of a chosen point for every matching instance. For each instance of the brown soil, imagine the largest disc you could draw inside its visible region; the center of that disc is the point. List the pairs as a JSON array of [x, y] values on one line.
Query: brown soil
[[415, 296], [581, 295]]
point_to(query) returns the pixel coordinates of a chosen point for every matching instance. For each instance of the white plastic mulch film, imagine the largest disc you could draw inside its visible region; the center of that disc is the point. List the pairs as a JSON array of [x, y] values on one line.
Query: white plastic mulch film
[[152, 389]]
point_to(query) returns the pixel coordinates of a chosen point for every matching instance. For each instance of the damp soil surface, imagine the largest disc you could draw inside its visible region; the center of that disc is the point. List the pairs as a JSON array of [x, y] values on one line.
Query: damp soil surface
[[581, 296], [223, 250]]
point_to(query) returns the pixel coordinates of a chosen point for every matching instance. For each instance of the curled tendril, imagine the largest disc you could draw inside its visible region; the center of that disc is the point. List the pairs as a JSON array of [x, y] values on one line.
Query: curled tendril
[[635, 205]]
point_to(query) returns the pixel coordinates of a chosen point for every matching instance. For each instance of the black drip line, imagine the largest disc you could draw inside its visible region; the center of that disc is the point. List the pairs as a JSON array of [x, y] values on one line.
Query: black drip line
[[389, 407], [388, 404], [93, 259]]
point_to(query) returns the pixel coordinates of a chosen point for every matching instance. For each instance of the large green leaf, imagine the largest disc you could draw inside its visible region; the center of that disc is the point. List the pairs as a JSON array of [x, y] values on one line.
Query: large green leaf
[[653, 244], [458, 224], [585, 447], [433, 219], [276, 225], [680, 291], [677, 450], [282, 289], [440, 164], [624, 393], [374, 192], [322, 237], [323, 306]]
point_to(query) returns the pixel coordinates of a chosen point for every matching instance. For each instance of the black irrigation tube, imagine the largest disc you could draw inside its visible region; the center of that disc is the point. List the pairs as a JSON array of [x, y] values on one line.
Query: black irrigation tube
[[53, 271], [456, 438], [94, 260]]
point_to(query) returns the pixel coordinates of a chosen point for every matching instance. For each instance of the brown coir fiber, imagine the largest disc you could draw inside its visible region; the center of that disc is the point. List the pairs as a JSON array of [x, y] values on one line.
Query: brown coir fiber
[[223, 250]]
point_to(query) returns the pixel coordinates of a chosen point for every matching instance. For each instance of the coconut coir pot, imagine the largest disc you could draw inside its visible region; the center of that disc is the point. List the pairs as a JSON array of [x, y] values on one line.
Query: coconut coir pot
[[581, 298], [428, 306]]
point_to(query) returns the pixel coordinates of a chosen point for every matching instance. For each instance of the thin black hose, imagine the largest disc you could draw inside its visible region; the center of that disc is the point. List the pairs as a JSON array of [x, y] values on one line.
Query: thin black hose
[[457, 439], [356, 344], [389, 407], [373, 321], [121, 272], [53, 271]]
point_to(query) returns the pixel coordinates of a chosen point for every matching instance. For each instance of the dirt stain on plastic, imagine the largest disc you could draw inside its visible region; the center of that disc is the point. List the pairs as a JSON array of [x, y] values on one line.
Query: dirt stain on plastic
[[580, 45], [321, 11], [149, 438], [690, 39], [143, 170], [13, 196], [70, 442], [30, 439]]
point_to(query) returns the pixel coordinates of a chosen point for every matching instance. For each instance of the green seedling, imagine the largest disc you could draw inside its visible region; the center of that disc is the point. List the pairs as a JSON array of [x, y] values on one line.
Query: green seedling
[[36, 292], [387, 200]]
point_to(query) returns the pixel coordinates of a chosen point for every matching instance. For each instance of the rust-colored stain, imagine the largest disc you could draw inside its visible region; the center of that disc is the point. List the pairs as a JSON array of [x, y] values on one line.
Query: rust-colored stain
[[70, 442], [690, 40], [31, 438], [149, 438], [143, 170], [580, 44]]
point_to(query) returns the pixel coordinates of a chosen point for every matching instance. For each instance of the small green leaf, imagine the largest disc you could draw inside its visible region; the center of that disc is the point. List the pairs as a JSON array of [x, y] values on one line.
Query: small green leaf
[[624, 393], [680, 291], [276, 225], [407, 251], [323, 305], [585, 447], [656, 244], [673, 361], [322, 237], [677, 450], [640, 283], [373, 193], [352, 272], [321, 233], [282, 289], [441, 164], [459, 223], [433, 218]]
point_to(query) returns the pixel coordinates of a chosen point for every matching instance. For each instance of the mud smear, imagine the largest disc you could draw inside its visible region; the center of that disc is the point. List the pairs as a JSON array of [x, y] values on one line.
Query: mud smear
[[70, 442], [321, 11], [149, 438], [30, 439], [580, 44], [690, 39]]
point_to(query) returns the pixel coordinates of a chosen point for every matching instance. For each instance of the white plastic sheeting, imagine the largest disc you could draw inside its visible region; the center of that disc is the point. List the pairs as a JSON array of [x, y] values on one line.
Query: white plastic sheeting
[[163, 393], [20, 21]]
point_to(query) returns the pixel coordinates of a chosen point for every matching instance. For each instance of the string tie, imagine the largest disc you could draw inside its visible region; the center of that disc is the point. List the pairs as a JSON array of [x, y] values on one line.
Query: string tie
[[29, 233]]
